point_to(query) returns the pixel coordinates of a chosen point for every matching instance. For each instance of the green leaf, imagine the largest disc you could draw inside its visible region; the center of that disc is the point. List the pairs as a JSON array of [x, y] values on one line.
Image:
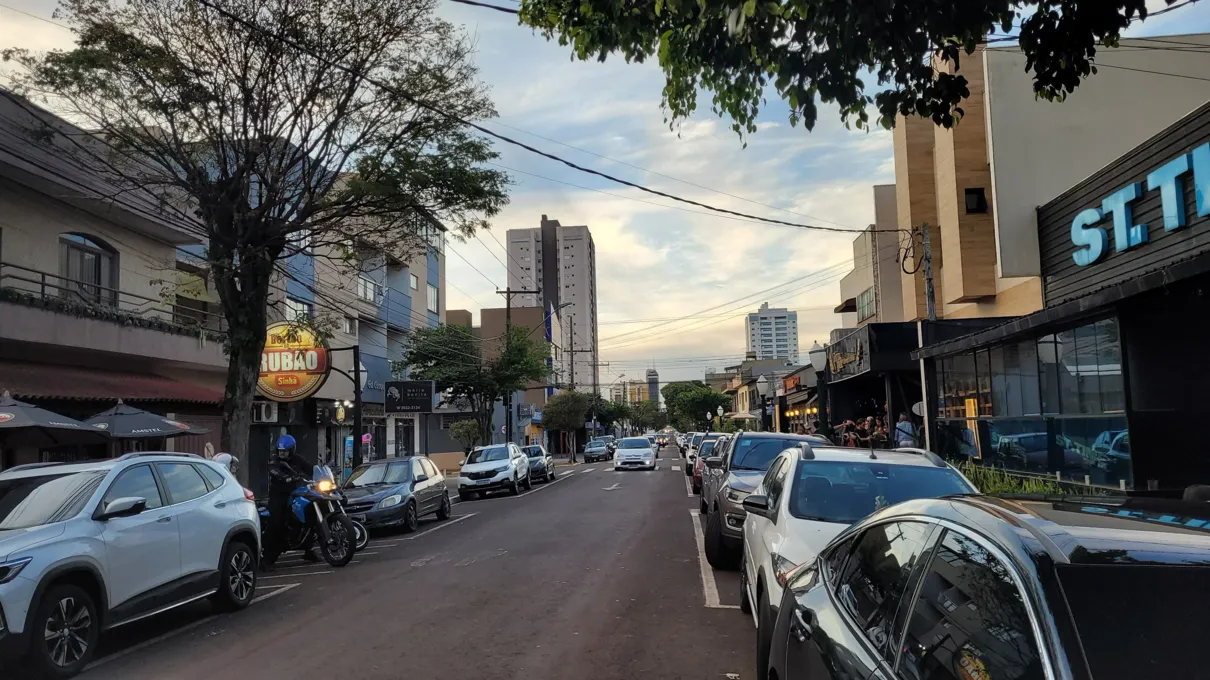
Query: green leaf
[[749, 8]]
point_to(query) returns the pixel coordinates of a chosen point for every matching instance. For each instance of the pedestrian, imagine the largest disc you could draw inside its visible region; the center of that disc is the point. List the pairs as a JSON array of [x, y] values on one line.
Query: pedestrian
[[905, 432], [799, 429]]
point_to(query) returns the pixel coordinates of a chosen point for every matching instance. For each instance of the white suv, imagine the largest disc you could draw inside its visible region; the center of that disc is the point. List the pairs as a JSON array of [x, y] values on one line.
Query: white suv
[[808, 496], [85, 547], [494, 467]]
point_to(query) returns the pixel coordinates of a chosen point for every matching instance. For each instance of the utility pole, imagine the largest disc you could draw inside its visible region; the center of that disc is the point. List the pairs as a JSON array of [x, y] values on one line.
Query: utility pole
[[571, 327], [508, 294], [930, 295]]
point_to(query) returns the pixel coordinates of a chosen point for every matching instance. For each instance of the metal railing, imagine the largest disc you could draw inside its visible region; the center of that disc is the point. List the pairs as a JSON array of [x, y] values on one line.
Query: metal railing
[[107, 303]]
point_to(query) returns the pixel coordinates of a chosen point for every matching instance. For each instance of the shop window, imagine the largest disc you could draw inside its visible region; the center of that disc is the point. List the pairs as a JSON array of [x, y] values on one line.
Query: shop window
[[1109, 362], [983, 382], [1048, 373], [89, 270]]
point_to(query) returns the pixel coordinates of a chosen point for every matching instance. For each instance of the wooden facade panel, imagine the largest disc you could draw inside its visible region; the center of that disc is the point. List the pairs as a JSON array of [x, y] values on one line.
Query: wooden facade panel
[[1063, 279]]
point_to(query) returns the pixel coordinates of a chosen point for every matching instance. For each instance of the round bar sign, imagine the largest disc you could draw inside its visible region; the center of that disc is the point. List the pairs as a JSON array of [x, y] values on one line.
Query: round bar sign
[[293, 365]]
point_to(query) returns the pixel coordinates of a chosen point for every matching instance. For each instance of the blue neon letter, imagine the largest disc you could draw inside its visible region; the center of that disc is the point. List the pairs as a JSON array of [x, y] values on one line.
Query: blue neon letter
[[1090, 239], [1166, 178], [1201, 178], [1126, 234]]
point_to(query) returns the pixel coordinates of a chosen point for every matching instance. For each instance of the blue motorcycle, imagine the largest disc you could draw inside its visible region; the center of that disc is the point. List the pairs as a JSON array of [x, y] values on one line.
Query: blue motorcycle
[[316, 512]]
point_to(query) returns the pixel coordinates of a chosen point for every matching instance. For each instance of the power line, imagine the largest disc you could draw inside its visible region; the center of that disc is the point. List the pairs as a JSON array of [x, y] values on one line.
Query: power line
[[485, 5]]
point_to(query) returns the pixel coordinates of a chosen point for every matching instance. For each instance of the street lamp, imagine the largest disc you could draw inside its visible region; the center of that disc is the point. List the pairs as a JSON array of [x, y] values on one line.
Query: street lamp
[[719, 410], [819, 357]]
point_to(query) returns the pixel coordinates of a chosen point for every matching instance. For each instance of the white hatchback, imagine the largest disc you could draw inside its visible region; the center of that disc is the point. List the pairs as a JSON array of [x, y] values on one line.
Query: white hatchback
[[808, 496], [634, 453], [85, 547]]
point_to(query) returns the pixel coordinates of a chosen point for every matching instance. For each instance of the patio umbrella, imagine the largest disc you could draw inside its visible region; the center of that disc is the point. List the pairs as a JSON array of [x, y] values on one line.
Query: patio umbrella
[[24, 424], [128, 422]]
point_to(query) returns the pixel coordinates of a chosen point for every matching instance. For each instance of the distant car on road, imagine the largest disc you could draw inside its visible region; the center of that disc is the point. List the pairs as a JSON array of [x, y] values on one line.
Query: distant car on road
[[396, 493], [541, 465], [611, 442], [634, 453], [699, 463], [86, 547], [696, 449], [596, 450], [987, 588], [491, 468], [811, 494]]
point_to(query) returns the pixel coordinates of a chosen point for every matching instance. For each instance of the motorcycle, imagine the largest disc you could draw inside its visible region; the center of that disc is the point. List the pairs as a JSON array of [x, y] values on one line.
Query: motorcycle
[[316, 511]]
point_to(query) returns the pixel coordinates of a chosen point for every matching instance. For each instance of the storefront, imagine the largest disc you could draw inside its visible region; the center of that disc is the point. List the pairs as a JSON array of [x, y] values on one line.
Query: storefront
[[870, 372], [1107, 384], [796, 401]]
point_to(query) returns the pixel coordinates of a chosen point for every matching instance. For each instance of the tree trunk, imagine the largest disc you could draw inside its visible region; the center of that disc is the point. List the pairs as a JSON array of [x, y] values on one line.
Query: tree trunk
[[242, 374]]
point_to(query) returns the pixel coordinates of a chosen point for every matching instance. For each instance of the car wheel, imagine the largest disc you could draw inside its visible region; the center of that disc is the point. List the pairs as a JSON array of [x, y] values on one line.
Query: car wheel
[[764, 635], [237, 577], [410, 519], [745, 605], [702, 508], [67, 619], [529, 482], [697, 488], [443, 511], [717, 553], [688, 470], [514, 488], [465, 496]]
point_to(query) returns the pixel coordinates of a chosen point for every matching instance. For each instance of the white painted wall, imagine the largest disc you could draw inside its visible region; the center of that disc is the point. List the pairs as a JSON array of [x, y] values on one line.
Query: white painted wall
[[1038, 149]]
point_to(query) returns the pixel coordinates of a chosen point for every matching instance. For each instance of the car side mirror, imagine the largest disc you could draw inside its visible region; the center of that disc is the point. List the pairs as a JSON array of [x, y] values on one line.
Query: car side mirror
[[714, 462], [463, 462], [757, 505], [128, 506], [422, 478]]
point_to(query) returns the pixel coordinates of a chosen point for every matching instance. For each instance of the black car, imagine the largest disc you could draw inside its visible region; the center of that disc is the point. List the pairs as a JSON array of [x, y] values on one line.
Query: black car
[[396, 493], [541, 465], [981, 588]]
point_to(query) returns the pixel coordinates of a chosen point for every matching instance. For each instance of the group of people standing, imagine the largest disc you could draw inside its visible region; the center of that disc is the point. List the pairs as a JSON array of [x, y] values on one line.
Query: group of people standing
[[870, 432]]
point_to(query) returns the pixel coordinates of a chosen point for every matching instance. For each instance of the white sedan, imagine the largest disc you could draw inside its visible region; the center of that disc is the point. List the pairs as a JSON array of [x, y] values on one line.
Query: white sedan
[[634, 453]]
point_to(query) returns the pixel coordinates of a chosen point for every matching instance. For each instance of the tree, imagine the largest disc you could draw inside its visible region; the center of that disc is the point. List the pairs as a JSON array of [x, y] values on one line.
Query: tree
[[452, 357], [610, 412], [643, 415], [828, 49], [466, 432], [566, 412], [262, 147], [688, 402]]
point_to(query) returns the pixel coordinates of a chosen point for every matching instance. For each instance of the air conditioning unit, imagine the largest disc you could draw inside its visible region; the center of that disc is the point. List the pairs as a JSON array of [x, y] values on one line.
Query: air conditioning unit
[[264, 412]]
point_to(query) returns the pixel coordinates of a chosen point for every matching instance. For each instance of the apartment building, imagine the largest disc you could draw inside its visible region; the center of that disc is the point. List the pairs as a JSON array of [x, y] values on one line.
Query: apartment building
[[978, 184], [871, 292], [561, 262], [773, 333], [653, 385], [527, 404], [630, 391]]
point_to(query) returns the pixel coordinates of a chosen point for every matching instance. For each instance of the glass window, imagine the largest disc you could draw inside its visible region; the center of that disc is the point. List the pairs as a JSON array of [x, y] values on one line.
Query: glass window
[[753, 453], [767, 481], [1109, 364], [876, 577], [433, 301], [778, 482], [418, 469], [433, 472], [183, 481], [1031, 388], [984, 382], [488, 454], [866, 305], [369, 475], [88, 270], [36, 501], [964, 400], [413, 282], [1067, 368], [1085, 366], [969, 621], [1000, 379], [1048, 373], [213, 477], [297, 309], [137, 482], [836, 559]]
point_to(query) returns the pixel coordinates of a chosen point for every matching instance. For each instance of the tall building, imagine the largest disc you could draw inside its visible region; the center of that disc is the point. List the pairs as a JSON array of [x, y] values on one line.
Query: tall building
[[561, 262], [773, 333], [871, 292], [653, 386]]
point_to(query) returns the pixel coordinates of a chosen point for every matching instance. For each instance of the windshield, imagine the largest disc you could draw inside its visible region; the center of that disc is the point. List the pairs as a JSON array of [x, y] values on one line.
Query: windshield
[[596, 445], [371, 475], [751, 453], [707, 448], [844, 492], [608, 438], [533, 451], [487, 454], [35, 501], [635, 444], [697, 439]]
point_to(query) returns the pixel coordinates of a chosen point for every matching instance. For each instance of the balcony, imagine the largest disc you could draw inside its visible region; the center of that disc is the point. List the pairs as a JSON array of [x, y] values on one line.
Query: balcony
[[44, 308]]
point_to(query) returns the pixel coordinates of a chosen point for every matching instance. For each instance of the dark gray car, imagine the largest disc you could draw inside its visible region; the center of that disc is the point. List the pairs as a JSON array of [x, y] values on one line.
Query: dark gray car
[[732, 473], [541, 465], [396, 492]]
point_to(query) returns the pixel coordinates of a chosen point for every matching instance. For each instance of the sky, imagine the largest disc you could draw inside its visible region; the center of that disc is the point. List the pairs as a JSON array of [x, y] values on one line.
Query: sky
[[656, 259]]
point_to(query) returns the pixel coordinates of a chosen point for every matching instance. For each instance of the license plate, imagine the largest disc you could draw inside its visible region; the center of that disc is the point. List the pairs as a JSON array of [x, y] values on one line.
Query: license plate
[[484, 481]]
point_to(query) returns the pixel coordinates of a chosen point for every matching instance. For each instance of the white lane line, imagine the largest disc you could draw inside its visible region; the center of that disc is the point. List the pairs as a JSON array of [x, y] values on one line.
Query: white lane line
[[277, 590], [305, 573], [689, 487], [372, 544], [449, 523], [588, 470], [709, 587]]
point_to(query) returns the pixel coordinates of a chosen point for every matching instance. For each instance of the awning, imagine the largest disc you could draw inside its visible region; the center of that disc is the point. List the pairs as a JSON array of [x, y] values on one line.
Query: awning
[[46, 381], [848, 306]]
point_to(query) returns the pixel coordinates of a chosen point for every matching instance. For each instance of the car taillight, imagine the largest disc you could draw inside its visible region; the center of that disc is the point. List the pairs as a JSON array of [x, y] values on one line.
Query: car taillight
[[248, 495]]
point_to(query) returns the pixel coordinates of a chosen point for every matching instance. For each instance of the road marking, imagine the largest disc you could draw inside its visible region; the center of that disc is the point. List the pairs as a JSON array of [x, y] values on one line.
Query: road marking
[[372, 544], [611, 488], [450, 523], [709, 587], [689, 487], [278, 590], [587, 471]]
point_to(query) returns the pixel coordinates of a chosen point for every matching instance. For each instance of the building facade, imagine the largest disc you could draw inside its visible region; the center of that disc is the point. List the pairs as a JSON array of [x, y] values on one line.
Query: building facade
[[1098, 387], [772, 333], [527, 404], [561, 262], [653, 386], [872, 291]]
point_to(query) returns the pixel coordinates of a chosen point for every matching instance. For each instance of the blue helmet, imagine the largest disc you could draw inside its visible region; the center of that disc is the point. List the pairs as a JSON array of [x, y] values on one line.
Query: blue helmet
[[286, 442]]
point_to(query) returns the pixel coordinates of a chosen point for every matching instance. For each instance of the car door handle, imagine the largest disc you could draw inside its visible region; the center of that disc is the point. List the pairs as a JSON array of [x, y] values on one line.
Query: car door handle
[[799, 626], [164, 520], [221, 504]]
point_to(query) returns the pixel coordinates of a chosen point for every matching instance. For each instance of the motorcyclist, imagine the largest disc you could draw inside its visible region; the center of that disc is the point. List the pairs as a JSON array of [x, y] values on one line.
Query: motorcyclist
[[285, 470]]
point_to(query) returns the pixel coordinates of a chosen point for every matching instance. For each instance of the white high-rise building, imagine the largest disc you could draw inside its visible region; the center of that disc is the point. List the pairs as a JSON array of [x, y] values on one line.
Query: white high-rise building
[[773, 333], [561, 262]]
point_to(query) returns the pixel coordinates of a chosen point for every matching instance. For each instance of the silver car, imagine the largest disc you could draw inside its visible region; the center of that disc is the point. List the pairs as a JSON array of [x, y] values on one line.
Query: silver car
[[634, 453]]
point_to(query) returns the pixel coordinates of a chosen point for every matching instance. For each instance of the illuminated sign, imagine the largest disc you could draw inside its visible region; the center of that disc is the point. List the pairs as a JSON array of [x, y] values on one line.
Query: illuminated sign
[[293, 365]]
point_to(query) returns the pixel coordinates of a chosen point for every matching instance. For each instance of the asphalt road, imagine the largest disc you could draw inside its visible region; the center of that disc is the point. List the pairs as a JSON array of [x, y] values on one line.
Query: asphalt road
[[598, 575]]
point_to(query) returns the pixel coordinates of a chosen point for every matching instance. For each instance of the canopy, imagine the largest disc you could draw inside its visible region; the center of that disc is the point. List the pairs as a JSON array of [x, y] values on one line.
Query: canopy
[[23, 424], [128, 422]]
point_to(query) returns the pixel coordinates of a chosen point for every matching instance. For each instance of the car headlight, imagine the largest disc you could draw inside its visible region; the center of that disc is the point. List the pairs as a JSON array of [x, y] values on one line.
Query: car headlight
[[782, 568], [390, 501], [504, 468], [9, 570], [737, 496]]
